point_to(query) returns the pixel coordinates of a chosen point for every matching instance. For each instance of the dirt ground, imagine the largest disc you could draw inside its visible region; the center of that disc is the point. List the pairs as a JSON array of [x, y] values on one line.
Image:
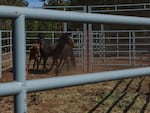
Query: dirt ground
[[120, 96]]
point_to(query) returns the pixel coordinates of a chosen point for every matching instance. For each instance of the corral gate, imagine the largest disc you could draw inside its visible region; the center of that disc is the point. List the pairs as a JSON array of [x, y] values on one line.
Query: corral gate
[[19, 87], [120, 48], [5, 50]]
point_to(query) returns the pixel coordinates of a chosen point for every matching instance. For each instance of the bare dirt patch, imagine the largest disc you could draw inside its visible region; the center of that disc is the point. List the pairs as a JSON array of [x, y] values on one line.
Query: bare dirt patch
[[120, 96]]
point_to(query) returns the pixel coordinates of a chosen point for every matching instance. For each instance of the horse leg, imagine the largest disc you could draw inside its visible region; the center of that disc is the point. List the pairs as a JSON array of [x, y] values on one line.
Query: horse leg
[[44, 63], [58, 66], [54, 62], [73, 60], [67, 64], [52, 66], [27, 69], [61, 66], [34, 63], [37, 64]]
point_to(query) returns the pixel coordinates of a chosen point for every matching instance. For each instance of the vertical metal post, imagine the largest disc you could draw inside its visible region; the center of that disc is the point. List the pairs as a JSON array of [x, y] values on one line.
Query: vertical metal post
[[11, 50], [0, 54], [65, 23], [134, 51], [65, 26], [102, 43], [90, 48], [85, 27], [19, 63], [117, 45], [53, 37], [84, 48], [130, 49], [87, 50]]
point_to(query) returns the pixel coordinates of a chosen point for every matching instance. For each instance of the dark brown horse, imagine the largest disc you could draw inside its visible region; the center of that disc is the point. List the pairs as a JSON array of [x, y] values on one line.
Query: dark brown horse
[[66, 56], [35, 55], [55, 50], [45, 49]]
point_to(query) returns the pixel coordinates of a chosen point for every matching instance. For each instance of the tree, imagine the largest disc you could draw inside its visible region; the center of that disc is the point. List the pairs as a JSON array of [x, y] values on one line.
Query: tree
[[58, 2], [105, 2], [6, 23], [84, 2], [26, 3]]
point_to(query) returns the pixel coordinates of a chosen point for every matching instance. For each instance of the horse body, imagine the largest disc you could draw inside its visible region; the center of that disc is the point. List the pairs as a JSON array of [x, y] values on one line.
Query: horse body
[[68, 53], [55, 50], [35, 55], [58, 52], [45, 49]]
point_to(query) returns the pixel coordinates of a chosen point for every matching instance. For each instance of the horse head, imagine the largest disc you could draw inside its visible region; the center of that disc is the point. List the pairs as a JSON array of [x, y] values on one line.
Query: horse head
[[69, 39]]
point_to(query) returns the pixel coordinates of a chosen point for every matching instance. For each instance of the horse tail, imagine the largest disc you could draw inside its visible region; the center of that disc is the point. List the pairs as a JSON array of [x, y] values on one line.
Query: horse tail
[[73, 60]]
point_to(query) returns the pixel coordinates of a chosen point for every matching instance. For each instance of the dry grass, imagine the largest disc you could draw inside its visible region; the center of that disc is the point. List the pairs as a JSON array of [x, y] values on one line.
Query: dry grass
[[125, 96], [121, 96]]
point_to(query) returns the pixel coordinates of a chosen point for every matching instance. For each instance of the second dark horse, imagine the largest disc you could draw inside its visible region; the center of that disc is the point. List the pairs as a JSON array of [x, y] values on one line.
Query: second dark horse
[[59, 51]]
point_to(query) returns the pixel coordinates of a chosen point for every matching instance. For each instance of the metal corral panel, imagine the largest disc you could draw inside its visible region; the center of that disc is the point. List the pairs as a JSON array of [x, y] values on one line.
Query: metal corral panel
[[20, 84], [120, 48]]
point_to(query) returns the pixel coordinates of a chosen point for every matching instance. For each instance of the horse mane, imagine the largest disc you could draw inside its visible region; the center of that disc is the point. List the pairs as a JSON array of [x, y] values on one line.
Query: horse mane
[[60, 45]]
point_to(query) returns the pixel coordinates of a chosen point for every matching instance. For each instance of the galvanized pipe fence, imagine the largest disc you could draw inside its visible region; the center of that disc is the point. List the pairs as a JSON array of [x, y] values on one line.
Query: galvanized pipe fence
[[6, 50], [106, 48], [119, 48], [20, 86], [132, 59], [105, 8]]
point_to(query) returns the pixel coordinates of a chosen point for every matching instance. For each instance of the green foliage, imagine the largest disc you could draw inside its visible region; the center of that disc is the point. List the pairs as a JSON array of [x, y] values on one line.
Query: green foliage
[[104, 2], [12, 2], [6, 23], [58, 3], [47, 25], [34, 25]]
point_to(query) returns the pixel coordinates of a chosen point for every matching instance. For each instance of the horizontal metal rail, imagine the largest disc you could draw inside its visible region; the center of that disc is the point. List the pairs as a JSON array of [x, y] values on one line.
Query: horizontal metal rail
[[14, 12], [68, 81], [120, 7], [10, 88], [82, 79]]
